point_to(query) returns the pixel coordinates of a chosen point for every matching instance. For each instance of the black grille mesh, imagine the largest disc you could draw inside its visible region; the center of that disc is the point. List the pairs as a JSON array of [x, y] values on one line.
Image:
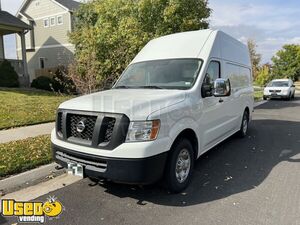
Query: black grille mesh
[[89, 122], [59, 123], [109, 124]]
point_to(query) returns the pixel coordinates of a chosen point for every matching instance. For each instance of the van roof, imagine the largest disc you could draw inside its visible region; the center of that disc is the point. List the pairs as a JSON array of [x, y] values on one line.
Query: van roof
[[202, 44]]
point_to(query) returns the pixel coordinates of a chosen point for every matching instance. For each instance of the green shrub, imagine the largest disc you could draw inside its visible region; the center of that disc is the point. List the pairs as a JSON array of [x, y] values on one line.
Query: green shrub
[[8, 75], [44, 83], [59, 83]]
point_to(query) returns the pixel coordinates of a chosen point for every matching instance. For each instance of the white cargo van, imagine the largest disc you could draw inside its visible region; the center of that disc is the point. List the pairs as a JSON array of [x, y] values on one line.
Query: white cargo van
[[182, 95]]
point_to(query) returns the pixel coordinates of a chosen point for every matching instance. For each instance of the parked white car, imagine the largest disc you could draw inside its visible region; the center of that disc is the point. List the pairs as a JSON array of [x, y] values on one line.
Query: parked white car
[[280, 88], [181, 95]]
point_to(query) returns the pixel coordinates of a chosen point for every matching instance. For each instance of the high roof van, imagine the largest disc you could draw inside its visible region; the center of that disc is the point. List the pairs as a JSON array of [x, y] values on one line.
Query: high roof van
[[180, 96]]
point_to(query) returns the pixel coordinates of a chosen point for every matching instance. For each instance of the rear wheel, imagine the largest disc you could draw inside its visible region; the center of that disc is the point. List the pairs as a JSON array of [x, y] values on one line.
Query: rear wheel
[[179, 166], [93, 179], [265, 98], [244, 126]]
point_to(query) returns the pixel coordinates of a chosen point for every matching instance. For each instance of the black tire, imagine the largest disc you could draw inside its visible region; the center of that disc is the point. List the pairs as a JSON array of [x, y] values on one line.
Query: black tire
[[243, 131], [265, 98], [93, 179], [171, 180], [293, 96]]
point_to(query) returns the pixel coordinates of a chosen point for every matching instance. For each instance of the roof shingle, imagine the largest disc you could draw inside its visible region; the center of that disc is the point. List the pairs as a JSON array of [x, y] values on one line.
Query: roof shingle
[[10, 20], [70, 4]]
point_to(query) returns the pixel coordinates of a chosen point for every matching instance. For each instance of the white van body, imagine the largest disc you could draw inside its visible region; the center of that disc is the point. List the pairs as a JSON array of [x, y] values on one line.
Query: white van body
[[182, 114]]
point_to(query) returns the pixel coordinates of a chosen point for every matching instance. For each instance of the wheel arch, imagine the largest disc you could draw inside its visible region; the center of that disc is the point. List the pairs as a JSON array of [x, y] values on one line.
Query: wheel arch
[[190, 135], [247, 110]]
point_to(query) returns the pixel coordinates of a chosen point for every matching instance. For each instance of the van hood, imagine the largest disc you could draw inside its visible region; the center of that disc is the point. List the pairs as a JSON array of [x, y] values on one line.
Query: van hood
[[137, 104]]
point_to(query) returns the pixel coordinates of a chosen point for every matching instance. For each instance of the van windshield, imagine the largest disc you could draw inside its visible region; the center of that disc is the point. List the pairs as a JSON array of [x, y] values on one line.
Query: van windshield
[[278, 84], [161, 74]]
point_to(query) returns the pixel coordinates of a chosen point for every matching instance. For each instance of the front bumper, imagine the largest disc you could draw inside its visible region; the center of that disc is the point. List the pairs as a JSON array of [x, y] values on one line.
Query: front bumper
[[276, 96], [132, 171]]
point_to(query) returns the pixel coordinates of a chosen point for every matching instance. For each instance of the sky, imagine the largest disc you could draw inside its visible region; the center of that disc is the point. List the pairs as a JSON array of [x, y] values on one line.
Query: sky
[[271, 23]]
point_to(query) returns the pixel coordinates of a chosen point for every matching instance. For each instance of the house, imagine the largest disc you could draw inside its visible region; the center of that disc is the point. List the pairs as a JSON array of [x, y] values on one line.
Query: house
[[47, 45], [12, 25]]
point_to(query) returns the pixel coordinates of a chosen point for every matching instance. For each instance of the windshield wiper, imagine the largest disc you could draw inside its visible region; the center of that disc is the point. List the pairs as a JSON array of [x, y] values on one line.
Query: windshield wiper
[[122, 87], [150, 87], [138, 87]]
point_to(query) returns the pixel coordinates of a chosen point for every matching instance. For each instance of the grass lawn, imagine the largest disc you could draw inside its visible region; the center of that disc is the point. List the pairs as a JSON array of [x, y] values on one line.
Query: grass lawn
[[19, 156], [26, 107]]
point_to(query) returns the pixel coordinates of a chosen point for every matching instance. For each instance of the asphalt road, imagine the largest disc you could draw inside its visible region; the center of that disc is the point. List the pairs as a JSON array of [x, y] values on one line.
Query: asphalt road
[[255, 180]]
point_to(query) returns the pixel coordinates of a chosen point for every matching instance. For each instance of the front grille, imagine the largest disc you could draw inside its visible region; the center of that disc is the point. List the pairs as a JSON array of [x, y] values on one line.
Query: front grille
[[93, 129], [89, 122]]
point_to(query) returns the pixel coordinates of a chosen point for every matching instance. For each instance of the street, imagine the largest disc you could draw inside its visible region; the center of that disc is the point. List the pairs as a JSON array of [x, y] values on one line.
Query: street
[[255, 180]]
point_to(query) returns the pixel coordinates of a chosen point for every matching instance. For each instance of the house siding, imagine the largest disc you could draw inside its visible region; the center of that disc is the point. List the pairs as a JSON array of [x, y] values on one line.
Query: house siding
[[40, 8], [54, 57], [57, 33], [50, 42]]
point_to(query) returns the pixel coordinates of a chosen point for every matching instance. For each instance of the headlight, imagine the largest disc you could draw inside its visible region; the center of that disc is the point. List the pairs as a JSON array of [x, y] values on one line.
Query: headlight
[[143, 131]]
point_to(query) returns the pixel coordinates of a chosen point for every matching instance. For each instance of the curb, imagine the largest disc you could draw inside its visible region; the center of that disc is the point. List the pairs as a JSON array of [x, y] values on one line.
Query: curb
[[256, 104], [28, 178]]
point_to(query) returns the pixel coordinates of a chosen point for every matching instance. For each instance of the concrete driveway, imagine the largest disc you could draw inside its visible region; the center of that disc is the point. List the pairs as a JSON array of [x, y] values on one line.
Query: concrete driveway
[[255, 180]]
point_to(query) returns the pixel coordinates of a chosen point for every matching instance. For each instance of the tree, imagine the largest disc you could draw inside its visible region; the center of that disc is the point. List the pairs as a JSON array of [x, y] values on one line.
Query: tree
[[287, 62], [264, 75], [255, 57], [116, 30], [83, 73]]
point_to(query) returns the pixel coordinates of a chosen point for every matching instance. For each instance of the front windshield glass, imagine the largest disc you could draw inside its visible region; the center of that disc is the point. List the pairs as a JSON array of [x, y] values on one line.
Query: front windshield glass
[[161, 74], [278, 84]]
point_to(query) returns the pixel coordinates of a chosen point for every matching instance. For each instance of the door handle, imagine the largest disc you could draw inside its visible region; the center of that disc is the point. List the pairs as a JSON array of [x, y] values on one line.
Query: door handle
[[221, 100]]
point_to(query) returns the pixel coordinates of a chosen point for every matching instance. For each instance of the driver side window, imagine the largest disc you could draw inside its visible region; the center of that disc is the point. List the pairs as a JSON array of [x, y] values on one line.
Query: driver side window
[[212, 73]]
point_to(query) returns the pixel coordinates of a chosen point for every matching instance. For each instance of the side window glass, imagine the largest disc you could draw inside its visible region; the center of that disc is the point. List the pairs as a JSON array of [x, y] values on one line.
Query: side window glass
[[212, 73]]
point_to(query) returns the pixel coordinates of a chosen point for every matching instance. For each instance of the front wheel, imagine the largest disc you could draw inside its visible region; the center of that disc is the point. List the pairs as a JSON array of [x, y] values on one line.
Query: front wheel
[[179, 166], [244, 126]]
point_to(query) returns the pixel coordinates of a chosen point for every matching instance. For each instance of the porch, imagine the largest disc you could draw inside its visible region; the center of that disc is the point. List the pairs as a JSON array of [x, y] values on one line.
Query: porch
[[9, 24]]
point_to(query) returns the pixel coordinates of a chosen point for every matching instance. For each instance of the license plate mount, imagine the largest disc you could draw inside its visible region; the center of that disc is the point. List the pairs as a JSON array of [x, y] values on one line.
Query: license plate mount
[[76, 169]]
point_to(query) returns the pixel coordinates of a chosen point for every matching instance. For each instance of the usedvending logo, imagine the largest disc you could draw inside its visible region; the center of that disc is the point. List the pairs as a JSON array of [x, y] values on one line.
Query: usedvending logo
[[32, 211]]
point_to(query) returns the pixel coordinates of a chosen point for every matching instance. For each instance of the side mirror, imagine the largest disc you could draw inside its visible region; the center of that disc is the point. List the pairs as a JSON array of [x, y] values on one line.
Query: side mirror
[[293, 85], [221, 88]]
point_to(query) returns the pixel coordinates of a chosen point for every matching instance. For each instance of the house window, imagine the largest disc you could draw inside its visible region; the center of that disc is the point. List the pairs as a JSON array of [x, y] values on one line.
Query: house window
[[46, 22], [52, 21], [42, 63], [59, 20]]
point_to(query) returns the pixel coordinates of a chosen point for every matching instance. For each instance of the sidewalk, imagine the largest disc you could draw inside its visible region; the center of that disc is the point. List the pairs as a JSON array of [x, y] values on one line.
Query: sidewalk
[[25, 132]]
